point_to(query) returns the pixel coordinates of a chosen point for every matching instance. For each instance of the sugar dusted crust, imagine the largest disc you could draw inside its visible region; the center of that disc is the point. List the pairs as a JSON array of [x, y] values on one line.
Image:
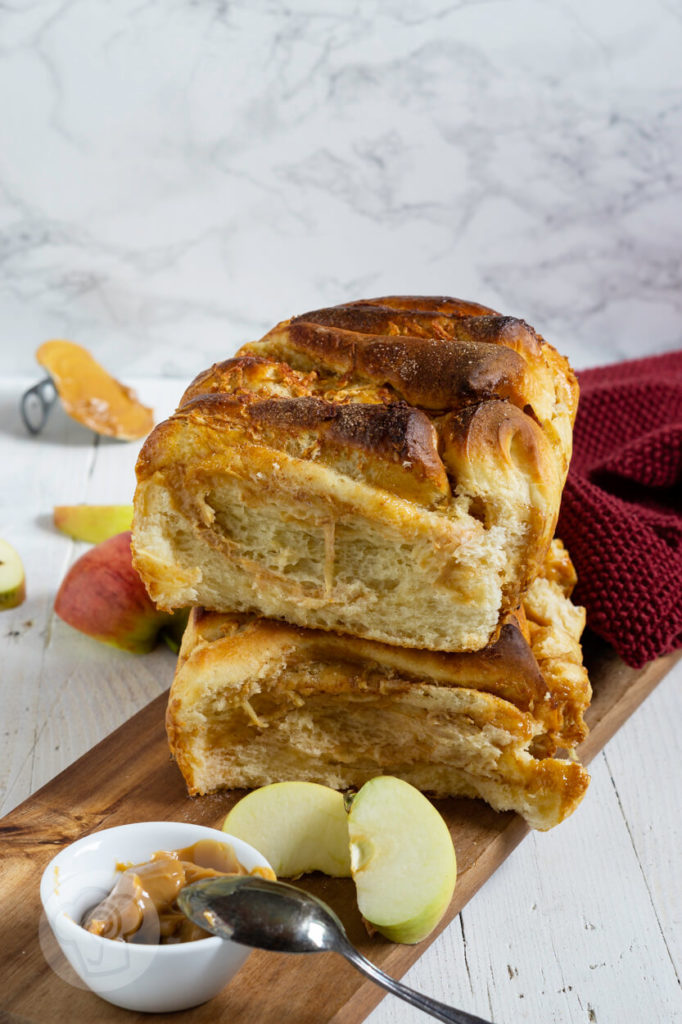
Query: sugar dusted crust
[[390, 468], [257, 701]]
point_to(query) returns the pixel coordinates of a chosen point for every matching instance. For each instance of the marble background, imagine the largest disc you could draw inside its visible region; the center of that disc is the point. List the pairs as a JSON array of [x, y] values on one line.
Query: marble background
[[177, 176]]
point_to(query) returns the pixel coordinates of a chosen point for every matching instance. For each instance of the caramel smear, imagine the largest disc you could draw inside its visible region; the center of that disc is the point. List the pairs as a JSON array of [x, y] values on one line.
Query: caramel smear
[[142, 907], [91, 396]]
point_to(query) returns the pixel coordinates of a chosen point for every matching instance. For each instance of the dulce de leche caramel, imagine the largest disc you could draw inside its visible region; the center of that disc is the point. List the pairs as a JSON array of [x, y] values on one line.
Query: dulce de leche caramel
[[142, 906]]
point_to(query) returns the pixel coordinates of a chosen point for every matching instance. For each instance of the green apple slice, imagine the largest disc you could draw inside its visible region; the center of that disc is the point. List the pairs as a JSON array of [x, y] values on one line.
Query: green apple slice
[[297, 826], [12, 577], [402, 859], [93, 523]]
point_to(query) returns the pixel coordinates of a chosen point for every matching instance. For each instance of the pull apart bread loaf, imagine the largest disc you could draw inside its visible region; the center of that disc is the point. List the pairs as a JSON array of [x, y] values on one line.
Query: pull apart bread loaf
[[256, 701], [390, 468]]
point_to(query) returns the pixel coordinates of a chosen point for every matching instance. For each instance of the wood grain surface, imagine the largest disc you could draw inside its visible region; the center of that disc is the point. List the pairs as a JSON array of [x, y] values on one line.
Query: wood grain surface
[[129, 776]]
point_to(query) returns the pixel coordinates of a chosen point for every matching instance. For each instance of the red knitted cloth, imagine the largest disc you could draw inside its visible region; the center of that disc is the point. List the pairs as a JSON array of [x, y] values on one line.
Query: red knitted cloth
[[621, 513]]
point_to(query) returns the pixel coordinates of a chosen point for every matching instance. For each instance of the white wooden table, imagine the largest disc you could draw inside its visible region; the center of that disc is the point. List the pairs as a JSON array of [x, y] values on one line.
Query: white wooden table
[[582, 925]]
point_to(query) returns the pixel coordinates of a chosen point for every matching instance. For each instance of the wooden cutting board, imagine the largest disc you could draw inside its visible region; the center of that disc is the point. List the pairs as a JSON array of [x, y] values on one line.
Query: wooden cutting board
[[129, 777]]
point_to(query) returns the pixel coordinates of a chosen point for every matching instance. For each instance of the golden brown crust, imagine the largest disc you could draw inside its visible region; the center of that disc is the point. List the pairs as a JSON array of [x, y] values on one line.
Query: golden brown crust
[[255, 701], [431, 303], [423, 424], [375, 319], [396, 444], [434, 372], [247, 374]]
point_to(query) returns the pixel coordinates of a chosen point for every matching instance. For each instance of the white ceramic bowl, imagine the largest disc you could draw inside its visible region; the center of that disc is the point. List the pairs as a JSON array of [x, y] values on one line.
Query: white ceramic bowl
[[156, 979]]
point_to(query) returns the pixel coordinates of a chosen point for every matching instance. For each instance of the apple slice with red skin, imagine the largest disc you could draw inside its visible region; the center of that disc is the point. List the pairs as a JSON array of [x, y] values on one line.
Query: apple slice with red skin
[[102, 595], [92, 523]]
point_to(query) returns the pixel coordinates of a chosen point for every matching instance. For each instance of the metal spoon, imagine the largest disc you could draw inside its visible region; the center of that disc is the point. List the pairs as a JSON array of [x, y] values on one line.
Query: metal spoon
[[279, 917]]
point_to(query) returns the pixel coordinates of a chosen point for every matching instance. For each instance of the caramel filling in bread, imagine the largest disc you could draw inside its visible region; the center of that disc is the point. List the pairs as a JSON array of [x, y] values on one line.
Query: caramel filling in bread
[[256, 701]]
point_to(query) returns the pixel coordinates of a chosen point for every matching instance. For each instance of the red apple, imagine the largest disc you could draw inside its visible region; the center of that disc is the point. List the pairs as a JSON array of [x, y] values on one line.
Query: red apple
[[103, 596]]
